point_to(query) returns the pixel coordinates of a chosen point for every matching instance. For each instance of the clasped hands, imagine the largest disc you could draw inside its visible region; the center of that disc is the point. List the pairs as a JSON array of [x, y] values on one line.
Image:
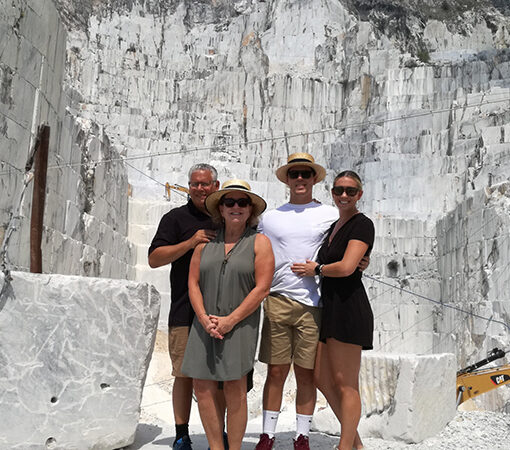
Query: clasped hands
[[216, 326]]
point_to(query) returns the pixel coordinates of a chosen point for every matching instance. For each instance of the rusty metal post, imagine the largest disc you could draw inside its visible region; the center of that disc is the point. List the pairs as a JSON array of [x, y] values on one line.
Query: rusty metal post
[[38, 198]]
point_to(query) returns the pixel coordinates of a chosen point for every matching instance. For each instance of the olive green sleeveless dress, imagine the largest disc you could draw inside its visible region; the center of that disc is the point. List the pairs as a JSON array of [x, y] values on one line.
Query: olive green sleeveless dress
[[225, 281]]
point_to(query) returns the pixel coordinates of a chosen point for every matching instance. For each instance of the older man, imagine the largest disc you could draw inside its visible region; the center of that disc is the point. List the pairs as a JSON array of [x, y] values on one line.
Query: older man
[[179, 232]]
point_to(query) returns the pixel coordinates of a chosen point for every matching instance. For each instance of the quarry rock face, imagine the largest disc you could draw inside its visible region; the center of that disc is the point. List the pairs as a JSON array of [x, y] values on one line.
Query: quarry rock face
[[412, 96], [86, 203], [74, 354]]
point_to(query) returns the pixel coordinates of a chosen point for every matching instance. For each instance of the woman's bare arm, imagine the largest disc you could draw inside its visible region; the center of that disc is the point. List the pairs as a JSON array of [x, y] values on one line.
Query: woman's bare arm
[[346, 266]]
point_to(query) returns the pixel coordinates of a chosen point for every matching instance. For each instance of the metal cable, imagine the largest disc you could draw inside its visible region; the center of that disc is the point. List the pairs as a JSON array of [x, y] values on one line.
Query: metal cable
[[276, 138]]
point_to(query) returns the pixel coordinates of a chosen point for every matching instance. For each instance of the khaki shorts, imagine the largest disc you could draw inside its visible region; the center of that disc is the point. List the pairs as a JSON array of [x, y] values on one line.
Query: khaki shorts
[[290, 332], [177, 340]]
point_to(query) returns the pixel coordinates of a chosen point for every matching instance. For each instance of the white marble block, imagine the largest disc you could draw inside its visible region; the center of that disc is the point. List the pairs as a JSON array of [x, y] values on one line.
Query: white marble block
[[74, 354], [405, 397]]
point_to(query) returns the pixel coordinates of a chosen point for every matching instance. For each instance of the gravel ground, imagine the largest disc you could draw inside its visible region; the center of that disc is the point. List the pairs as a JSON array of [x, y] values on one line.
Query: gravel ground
[[469, 430], [473, 430]]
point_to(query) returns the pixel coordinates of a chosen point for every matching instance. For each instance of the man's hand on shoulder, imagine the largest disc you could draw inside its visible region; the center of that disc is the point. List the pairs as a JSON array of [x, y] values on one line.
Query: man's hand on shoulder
[[167, 254], [202, 237]]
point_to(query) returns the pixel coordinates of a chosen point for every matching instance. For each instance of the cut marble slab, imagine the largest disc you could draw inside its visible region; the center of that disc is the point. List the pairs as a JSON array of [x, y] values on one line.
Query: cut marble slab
[[74, 354]]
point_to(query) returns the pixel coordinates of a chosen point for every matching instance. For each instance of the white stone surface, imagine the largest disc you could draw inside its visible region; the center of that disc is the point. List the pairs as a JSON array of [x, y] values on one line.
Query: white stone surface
[[75, 353], [182, 85], [223, 82], [84, 187], [404, 397]]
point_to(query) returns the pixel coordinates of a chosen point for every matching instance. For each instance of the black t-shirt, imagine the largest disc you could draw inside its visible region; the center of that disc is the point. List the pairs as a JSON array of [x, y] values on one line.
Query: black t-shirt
[[176, 226]]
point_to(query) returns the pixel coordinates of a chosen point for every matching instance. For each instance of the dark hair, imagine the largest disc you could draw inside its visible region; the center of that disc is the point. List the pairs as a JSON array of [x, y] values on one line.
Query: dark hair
[[349, 174]]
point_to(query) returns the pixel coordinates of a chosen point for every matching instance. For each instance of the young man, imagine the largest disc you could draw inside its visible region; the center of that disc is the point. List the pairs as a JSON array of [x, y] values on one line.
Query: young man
[[290, 331], [179, 232]]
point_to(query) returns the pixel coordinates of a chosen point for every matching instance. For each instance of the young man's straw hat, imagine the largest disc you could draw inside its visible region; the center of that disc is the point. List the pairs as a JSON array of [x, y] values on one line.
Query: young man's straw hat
[[300, 159]]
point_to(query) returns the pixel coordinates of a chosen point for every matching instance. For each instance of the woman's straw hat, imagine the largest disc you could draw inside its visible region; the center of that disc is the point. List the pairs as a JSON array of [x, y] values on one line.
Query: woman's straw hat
[[300, 159], [236, 185]]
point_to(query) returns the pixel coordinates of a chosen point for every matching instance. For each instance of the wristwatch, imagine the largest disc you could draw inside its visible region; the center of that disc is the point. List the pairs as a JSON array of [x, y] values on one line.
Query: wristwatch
[[318, 269]]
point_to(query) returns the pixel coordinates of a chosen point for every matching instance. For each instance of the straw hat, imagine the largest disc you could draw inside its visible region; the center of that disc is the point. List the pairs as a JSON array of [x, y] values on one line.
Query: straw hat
[[300, 159], [212, 201]]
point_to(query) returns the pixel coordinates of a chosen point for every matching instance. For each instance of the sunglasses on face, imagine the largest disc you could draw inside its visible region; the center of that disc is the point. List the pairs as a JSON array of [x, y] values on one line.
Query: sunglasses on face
[[305, 174], [350, 191], [230, 202]]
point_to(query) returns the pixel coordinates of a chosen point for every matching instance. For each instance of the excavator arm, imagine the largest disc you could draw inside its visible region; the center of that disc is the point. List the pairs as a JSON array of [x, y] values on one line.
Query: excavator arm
[[473, 381], [472, 384]]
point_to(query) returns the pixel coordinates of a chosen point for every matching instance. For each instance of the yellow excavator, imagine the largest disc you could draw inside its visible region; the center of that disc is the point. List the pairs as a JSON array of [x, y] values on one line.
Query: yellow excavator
[[473, 381]]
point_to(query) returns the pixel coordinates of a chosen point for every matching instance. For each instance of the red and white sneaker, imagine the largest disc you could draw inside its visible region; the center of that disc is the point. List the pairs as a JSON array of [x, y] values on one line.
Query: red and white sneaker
[[301, 443], [265, 442]]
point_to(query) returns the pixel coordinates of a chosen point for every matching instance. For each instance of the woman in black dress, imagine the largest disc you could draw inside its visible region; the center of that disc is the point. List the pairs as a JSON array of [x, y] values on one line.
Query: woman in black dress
[[347, 319]]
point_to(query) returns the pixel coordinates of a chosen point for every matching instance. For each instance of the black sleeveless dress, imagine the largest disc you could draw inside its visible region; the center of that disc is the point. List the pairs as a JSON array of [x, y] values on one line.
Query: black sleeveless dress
[[346, 314]]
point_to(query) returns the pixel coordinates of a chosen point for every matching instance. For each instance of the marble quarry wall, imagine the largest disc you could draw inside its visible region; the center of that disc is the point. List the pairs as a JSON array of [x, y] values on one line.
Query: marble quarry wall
[[74, 353], [85, 218], [473, 258], [414, 97]]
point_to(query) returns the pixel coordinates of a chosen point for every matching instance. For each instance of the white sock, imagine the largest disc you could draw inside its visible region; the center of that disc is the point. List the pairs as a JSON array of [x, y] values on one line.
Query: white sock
[[303, 424], [269, 421]]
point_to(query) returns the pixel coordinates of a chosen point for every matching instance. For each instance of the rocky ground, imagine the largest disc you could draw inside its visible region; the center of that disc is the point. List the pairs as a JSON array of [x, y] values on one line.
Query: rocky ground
[[474, 430], [469, 430]]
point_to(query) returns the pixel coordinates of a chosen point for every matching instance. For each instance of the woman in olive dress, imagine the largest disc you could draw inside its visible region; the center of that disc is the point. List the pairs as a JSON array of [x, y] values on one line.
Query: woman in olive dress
[[228, 279], [347, 320]]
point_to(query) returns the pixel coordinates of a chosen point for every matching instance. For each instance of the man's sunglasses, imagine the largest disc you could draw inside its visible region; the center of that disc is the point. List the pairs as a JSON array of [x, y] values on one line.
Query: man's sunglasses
[[305, 174], [350, 191], [230, 202]]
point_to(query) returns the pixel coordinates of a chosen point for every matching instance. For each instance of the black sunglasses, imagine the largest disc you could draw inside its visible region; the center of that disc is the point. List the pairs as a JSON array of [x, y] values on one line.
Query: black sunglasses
[[230, 202], [350, 191], [305, 174]]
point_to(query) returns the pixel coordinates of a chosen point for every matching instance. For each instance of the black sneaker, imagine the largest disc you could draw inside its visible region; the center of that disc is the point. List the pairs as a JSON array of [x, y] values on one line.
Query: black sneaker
[[183, 443]]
